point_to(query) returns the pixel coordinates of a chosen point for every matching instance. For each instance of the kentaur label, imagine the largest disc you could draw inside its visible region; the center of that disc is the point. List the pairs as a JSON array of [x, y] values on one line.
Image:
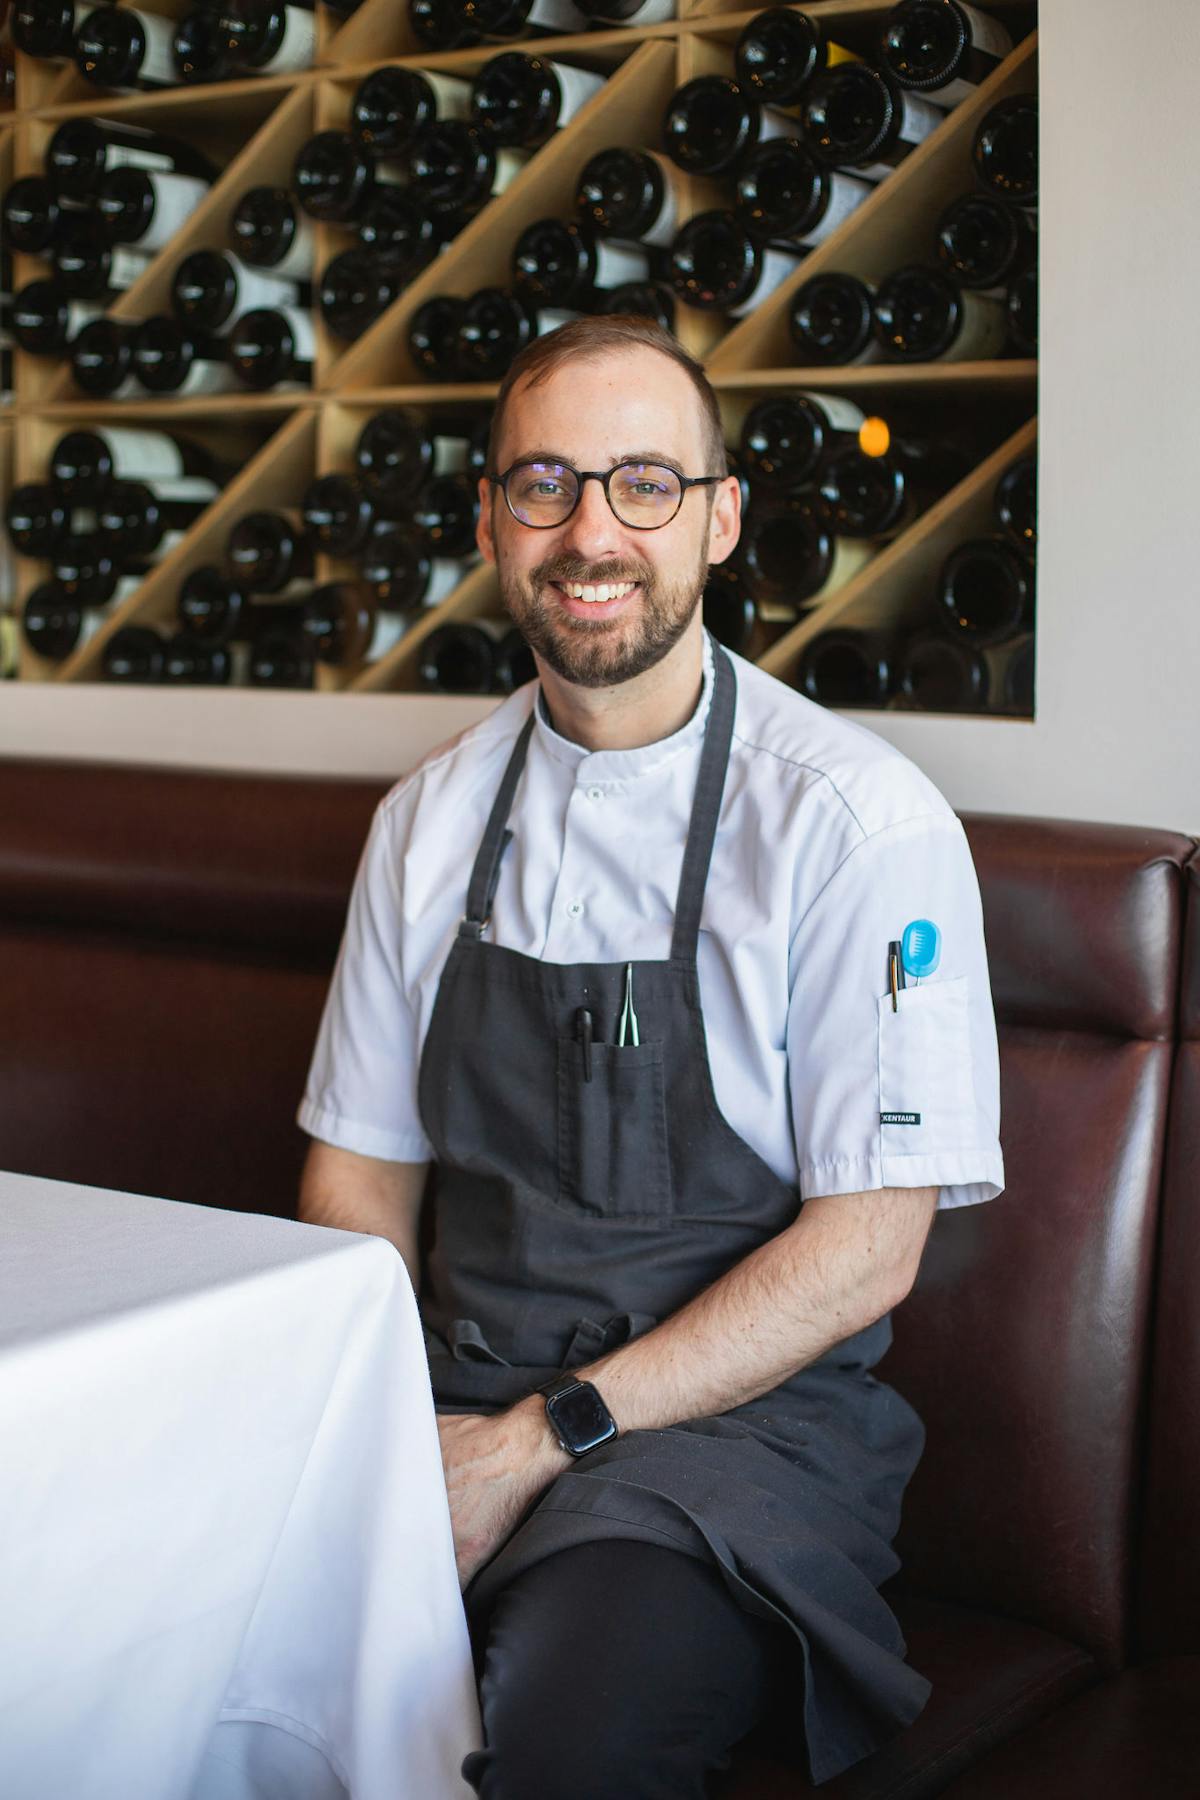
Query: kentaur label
[[899, 1118]]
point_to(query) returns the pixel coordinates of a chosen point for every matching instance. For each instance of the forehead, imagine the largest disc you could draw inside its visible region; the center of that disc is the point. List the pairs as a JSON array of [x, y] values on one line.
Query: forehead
[[595, 409]]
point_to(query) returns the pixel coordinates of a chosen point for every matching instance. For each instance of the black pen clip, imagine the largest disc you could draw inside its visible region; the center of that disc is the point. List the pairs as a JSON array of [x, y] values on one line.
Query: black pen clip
[[583, 1031]]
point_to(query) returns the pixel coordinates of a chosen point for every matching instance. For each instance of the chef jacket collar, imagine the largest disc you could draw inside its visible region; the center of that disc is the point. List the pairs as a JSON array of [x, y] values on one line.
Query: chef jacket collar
[[627, 765]]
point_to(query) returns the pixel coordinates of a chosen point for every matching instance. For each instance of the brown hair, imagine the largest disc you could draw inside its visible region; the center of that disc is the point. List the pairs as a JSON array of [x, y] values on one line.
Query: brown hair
[[600, 336]]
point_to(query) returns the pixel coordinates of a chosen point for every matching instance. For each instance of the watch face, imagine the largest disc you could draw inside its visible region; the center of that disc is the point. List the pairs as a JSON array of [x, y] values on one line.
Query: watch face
[[581, 1419]]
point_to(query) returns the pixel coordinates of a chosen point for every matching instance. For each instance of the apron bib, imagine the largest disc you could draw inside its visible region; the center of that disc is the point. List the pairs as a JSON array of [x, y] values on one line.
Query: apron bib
[[582, 1193]]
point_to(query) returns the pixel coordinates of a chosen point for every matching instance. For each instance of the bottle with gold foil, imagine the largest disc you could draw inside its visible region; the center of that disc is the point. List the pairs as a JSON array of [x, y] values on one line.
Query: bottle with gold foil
[[781, 50]]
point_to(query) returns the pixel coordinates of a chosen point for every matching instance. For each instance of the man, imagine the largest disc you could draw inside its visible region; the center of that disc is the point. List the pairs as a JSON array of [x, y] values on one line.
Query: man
[[618, 965]]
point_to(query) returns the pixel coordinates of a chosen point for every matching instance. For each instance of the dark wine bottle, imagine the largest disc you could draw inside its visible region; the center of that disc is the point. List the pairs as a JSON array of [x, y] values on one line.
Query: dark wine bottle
[[83, 151], [781, 50], [83, 463], [133, 654], [935, 674], [524, 18], [983, 242], [985, 592], [392, 105], [31, 215], [460, 658], [36, 517], [513, 663], [433, 337], [523, 100], [282, 658], [942, 49], [200, 49], [212, 287], [55, 626], [344, 624], [44, 28], [921, 315], [140, 207], [455, 170], [172, 358], [877, 495], [787, 437], [712, 124], [1005, 152], [717, 266], [138, 524], [339, 513], [122, 47], [558, 262], [643, 299], [400, 569], [1016, 660], [270, 553], [444, 513], [356, 289], [784, 194], [88, 267], [397, 452], [268, 231], [86, 570], [271, 347], [728, 608], [630, 194], [443, 24], [846, 668], [854, 118], [496, 326], [1021, 309], [269, 37], [45, 319], [1016, 503], [399, 232], [211, 606], [190, 661], [789, 555], [832, 322], [335, 176]]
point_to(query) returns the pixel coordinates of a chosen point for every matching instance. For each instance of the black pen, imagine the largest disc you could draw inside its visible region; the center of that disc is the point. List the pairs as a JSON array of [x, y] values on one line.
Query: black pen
[[583, 1030], [895, 971]]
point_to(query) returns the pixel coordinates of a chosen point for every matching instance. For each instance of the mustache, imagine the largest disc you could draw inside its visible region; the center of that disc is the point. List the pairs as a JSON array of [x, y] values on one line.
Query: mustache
[[571, 568]]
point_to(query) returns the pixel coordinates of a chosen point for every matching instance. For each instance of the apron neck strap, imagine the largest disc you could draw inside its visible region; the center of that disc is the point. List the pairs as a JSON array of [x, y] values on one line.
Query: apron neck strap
[[706, 809], [485, 876], [702, 830]]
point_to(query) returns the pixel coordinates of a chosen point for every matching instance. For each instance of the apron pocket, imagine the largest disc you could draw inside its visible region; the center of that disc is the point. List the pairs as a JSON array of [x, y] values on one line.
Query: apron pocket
[[612, 1130]]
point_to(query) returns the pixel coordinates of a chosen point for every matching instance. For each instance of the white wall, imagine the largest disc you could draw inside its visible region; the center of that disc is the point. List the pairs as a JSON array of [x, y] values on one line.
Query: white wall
[[1117, 733]]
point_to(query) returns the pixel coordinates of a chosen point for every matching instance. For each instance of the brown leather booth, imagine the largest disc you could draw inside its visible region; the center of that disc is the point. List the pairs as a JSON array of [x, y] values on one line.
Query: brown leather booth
[[165, 944]]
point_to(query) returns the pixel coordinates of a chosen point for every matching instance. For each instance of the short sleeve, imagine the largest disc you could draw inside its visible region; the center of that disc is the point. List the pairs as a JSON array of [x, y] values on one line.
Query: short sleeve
[[361, 1092], [906, 1096]]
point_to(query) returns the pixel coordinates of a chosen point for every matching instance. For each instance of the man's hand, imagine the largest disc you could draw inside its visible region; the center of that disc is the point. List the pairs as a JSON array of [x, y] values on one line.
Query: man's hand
[[495, 1468]]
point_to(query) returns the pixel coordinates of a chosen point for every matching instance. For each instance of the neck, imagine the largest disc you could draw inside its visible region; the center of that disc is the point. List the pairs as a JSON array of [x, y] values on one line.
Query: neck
[[632, 713]]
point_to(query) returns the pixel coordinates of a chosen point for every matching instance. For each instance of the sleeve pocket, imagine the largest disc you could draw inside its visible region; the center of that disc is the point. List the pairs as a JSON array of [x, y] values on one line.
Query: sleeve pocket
[[926, 1087]]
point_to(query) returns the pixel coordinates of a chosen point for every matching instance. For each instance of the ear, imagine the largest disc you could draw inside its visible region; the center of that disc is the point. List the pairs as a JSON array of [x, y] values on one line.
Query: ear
[[725, 521], [483, 525]]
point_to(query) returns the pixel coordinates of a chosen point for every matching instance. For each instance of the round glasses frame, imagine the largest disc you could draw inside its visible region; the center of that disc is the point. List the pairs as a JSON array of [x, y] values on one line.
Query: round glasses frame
[[604, 477]]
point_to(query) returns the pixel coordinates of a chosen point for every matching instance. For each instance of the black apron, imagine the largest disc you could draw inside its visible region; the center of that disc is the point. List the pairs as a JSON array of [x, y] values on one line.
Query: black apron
[[579, 1199]]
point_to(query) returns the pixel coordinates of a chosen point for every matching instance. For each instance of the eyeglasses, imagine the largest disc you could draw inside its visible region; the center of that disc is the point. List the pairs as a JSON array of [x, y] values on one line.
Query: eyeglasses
[[642, 495]]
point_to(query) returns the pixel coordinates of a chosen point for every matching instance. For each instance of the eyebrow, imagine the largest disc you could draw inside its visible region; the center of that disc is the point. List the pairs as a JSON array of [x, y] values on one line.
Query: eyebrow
[[641, 456]]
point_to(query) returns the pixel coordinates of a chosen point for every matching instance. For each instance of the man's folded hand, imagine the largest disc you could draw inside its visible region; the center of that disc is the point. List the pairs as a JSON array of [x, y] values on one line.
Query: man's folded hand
[[495, 1468]]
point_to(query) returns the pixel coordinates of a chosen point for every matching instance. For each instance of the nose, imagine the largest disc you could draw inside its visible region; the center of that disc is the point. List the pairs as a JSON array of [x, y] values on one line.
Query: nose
[[593, 530]]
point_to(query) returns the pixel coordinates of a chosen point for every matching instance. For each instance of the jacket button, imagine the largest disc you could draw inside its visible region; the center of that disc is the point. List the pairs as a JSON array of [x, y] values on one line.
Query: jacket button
[[574, 909]]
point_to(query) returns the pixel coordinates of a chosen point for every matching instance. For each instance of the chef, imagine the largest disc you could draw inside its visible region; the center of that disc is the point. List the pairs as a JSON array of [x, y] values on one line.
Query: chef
[[623, 988]]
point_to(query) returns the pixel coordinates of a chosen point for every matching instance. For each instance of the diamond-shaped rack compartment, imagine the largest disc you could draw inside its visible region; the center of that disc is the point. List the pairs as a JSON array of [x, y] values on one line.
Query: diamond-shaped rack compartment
[[275, 458]]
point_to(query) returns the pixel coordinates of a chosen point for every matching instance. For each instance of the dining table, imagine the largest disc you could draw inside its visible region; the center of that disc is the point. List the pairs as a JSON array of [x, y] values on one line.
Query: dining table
[[226, 1559]]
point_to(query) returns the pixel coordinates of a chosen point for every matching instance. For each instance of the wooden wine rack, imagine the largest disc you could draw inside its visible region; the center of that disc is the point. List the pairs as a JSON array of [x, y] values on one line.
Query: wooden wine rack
[[253, 128]]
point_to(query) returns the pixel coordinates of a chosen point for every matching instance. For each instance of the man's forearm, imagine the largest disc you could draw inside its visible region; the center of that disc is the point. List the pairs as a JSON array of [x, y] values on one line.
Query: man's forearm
[[845, 1261]]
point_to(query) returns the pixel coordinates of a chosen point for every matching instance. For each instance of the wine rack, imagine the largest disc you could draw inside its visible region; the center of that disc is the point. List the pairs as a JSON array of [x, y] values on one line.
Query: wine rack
[[253, 128]]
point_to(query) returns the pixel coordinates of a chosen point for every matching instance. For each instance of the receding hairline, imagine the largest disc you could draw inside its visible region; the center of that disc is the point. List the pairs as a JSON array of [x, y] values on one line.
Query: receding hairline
[[543, 367]]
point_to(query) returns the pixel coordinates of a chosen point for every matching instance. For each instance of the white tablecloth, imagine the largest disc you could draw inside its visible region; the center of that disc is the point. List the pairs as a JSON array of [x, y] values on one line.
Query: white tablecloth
[[226, 1564]]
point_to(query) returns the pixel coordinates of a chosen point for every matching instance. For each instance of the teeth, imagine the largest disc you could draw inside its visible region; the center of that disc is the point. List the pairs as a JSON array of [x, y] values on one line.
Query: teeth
[[597, 594]]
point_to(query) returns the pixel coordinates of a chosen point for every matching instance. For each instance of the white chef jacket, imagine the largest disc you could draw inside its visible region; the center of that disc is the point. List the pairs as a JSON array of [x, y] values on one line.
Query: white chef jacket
[[829, 843]]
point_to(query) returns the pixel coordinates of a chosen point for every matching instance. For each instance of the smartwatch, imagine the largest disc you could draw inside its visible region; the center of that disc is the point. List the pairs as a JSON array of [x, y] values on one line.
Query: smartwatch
[[577, 1414]]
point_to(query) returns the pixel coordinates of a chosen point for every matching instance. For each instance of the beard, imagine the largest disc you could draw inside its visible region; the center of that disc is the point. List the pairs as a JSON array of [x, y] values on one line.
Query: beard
[[602, 652]]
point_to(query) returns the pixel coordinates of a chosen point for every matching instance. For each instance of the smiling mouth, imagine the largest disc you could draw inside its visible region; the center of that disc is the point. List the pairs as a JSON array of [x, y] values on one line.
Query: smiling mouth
[[595, 593]]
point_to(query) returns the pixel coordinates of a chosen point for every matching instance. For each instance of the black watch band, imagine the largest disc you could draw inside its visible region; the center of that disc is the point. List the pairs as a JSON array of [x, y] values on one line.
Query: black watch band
[[578, 1416]]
